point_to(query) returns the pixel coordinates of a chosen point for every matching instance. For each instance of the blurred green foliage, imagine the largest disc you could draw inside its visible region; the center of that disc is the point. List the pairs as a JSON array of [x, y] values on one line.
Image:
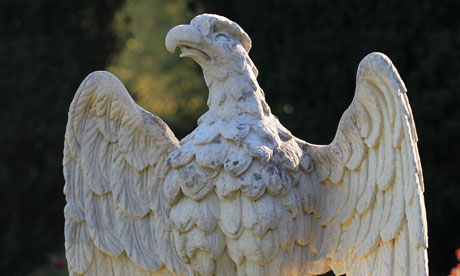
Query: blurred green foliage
[[46, 49], [161, 82], [307, 53]]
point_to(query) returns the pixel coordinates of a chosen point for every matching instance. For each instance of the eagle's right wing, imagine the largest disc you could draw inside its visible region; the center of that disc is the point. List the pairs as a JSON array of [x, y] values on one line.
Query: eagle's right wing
[[117, 222]]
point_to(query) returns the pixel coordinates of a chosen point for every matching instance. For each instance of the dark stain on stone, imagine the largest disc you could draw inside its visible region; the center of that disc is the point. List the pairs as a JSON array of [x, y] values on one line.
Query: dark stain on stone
[[190, 184]]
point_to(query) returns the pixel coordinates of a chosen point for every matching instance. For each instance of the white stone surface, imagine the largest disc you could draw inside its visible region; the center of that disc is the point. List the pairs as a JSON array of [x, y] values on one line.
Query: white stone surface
[[240, 195]]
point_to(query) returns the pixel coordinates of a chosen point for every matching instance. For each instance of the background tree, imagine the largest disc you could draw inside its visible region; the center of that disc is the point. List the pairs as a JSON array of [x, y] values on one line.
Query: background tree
[[46, 49], [307, 53]]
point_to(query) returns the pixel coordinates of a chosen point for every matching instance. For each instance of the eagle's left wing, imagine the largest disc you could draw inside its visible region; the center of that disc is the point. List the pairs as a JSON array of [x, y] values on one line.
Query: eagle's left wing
[[371, 209]]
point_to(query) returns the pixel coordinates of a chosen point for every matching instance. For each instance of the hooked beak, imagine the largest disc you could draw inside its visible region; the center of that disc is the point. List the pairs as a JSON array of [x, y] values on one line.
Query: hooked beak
[[190, 41]]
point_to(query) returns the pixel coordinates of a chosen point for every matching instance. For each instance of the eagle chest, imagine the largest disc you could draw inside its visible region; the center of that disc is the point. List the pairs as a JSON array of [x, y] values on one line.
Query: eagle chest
[[232, 158]]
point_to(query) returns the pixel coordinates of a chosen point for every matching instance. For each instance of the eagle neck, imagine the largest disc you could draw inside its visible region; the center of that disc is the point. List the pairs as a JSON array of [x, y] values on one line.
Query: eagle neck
[[237, 94]]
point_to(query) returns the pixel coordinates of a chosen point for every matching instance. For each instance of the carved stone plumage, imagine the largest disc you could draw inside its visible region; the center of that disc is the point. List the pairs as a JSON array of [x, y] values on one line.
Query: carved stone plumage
[[241, 195]]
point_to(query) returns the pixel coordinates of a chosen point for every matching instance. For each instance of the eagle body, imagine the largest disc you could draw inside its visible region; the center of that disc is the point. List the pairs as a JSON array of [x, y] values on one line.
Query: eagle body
[[232, 191], [241, 195]]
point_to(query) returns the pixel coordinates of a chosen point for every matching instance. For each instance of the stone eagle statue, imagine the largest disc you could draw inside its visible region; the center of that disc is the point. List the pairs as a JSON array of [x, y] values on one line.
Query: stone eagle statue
[[241, 195]]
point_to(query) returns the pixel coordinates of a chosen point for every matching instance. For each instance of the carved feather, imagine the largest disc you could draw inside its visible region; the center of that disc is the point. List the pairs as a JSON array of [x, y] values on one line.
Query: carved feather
[[383, 218]]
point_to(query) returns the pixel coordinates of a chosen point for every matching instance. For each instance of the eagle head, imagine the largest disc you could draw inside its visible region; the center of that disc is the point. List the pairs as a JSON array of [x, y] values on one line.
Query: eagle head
[[216, 43]]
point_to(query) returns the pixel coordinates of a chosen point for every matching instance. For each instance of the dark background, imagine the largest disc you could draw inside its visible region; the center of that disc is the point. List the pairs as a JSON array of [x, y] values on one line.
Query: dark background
[[307, 53]]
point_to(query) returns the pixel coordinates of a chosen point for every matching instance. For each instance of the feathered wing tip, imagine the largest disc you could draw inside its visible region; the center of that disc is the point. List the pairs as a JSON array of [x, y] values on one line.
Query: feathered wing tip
[[371, 175], [114, 155]]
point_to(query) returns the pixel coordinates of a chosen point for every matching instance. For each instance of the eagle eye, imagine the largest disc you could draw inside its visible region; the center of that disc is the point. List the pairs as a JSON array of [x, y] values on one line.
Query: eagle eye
[[222, 37]]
